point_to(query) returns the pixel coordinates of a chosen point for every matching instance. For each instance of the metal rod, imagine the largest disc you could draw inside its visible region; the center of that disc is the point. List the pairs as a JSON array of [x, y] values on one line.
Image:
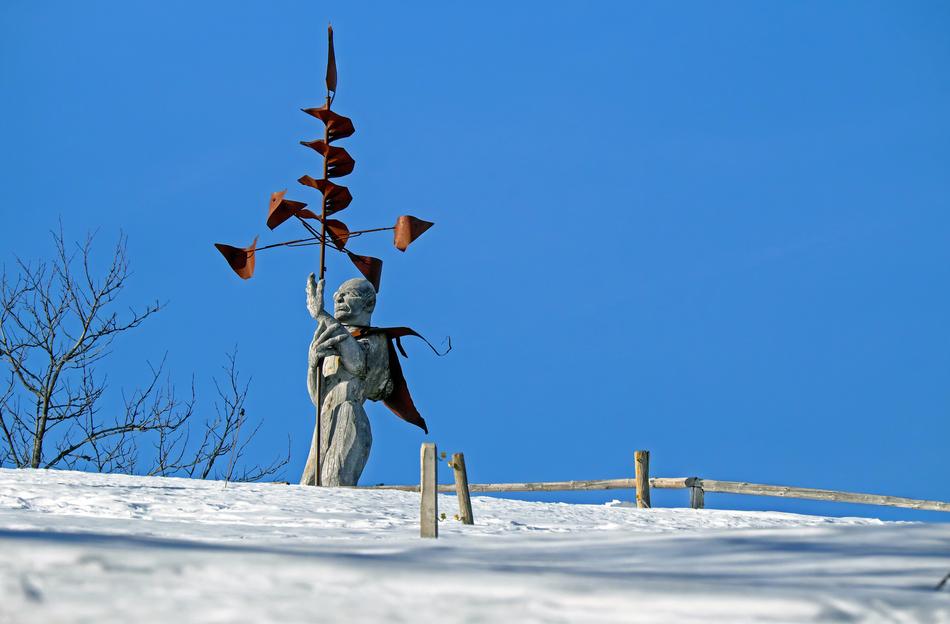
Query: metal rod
[[315, 239], [323, 270], [310, 228], [358, 232], [287, 243]]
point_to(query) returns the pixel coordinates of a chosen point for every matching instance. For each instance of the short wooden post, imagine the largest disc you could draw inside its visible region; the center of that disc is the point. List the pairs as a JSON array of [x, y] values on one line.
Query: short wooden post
[[461, 489], [642, 461], [429, 506], [696, 492]]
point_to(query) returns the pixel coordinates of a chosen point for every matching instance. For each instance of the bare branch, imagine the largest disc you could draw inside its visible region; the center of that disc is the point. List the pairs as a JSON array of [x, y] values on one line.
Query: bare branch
[[58, 321], [221, 435], [55, 322], [257, 472]]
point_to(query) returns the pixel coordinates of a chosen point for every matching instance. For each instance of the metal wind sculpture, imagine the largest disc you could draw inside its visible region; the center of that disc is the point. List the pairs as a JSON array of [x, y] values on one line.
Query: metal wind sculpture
[[332, 233]]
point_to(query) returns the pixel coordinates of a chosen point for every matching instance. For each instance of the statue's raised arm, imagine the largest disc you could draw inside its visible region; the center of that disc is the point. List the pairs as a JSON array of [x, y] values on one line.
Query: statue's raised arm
[[315, 297], [331, 337]]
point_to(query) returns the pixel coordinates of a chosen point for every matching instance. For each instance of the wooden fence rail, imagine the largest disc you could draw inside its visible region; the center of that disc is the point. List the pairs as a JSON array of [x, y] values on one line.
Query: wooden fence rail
[[697, 487], [783, 491], [546, 486]]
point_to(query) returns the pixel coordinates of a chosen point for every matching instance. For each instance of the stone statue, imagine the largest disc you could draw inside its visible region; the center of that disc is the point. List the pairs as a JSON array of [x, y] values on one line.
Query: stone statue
[[354, 369]]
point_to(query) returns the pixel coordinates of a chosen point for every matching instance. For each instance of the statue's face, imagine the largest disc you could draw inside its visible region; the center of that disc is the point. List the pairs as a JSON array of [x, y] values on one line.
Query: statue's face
[[350, 303]]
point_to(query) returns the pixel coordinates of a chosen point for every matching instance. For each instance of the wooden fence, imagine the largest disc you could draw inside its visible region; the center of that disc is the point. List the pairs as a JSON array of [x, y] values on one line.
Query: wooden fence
[[642, 483], [706, 485]]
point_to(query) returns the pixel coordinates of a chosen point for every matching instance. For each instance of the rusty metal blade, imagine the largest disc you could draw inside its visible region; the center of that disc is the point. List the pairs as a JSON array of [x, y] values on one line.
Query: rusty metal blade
[[240, 259], [339, 161], [275, 198], [371, 268], [331, 62], [338, 126], [408, 229], [338, 197], [281, 209], [338, 232]]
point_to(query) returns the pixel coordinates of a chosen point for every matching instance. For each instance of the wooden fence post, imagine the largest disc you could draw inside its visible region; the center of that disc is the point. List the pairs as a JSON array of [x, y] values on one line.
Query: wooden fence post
[[642, 461], [429, 506], [696, 492], [461, 489]]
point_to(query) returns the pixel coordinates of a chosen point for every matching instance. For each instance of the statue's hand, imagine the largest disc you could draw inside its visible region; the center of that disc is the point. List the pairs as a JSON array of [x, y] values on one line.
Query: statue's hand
[[327, 338], [315, 297], [332, 338]]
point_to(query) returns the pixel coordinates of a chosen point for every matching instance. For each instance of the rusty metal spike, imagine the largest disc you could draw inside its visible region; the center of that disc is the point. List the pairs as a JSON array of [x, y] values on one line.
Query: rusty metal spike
[[371, 268], [339, 162], [240, 259], [408, 229], [331, 62], [338, 126], [282, 209], [338, 197]]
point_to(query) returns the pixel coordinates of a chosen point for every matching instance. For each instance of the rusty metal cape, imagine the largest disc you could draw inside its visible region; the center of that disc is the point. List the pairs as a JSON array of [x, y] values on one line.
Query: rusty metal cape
[[399, 400]]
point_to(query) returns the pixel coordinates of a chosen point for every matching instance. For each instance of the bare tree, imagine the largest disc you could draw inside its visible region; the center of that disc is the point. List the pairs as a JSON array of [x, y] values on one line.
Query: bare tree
[[57, 322], [220, 438]]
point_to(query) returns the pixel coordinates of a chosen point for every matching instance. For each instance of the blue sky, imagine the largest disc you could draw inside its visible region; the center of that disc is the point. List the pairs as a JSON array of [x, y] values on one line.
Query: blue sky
[[718, 231]]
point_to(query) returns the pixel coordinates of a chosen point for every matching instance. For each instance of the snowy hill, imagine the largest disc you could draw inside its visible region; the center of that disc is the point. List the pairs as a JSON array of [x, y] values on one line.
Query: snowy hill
[[82, 547]]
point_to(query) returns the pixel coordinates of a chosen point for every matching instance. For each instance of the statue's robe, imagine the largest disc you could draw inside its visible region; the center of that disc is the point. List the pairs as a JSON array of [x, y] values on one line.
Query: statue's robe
[[346, 436], [398, 400]]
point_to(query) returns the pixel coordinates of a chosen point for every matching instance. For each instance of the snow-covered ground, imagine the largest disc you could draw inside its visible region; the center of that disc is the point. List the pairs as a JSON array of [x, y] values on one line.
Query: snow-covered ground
[[78, 547]]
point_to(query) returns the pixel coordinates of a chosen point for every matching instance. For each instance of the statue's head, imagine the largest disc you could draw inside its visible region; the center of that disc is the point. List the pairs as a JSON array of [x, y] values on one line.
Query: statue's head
[[354, 302]]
